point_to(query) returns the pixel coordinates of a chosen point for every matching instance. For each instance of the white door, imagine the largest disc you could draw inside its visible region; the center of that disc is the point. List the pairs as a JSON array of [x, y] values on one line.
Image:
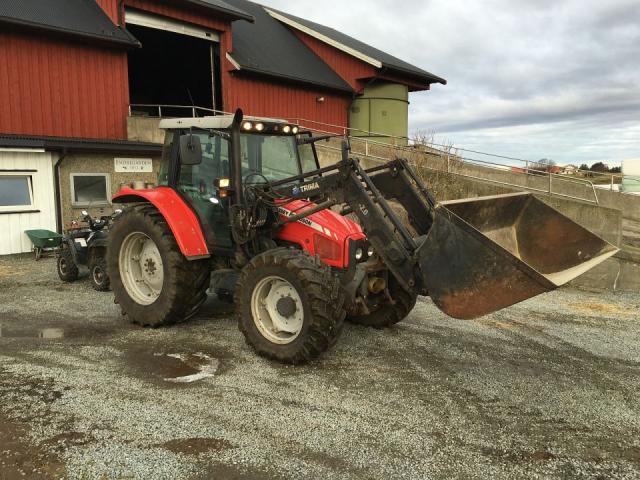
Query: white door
[[27, 198]]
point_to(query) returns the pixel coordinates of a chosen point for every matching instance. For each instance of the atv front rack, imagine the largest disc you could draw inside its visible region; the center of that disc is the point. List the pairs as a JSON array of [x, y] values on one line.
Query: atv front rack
[[472, 257]]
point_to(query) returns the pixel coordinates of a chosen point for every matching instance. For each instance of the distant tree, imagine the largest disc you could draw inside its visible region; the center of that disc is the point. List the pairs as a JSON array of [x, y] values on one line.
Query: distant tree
[[543, 165], [615, 170], [547, 161], [584, 167], [599, 167]]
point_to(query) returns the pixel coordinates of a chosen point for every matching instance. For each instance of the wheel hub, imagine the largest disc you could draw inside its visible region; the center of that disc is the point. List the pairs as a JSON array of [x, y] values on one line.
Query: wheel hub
[[277, 310], [286, 306], [141, 268]]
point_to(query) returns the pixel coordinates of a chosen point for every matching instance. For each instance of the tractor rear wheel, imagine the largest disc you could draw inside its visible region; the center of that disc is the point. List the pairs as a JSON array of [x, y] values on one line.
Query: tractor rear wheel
[[289, 305], [151, 279], [388, 314]]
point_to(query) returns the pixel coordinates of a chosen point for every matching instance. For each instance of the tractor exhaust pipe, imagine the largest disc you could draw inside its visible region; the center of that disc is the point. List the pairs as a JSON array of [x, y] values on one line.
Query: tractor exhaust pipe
[[236, 157]]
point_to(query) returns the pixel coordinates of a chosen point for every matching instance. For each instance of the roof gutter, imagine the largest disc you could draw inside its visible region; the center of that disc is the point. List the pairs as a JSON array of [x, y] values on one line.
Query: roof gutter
[[302, 81]]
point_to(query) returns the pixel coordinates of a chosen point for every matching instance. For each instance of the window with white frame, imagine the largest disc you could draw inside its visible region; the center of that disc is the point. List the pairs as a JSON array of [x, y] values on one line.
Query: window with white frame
[[16, 192], [89, 189]]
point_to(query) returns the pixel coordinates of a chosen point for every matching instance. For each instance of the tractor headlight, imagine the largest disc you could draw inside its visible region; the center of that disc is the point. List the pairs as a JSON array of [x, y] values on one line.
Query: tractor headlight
[[247, 125], [286, 128], [359, 253], [294, 130], [370, 251], [259, 127]]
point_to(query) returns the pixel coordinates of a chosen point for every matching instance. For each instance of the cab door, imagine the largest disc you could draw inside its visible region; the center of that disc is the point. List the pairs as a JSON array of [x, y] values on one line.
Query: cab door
[[197, 184]]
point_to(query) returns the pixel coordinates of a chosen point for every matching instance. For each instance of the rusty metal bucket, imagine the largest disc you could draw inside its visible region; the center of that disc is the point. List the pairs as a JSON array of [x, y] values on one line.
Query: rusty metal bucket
[[488, 253]]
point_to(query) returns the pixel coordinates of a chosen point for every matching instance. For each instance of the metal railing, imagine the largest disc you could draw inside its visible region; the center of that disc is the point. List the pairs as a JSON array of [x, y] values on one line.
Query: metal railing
[[450, 160], [528, 167], [160, 111]]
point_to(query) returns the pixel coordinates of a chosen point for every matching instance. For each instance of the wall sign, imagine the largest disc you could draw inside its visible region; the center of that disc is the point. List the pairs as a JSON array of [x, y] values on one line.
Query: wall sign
[[133, 165]]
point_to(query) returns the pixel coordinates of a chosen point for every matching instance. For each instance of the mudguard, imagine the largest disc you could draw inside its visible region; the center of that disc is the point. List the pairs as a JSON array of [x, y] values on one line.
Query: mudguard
[[182, 221]]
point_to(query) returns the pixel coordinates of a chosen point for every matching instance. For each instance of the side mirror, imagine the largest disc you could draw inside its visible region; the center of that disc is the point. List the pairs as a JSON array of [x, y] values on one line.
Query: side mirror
[[190, 150]]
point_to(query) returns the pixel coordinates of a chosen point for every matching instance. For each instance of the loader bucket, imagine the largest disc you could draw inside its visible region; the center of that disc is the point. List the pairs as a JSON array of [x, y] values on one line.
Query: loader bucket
[[487, 253]]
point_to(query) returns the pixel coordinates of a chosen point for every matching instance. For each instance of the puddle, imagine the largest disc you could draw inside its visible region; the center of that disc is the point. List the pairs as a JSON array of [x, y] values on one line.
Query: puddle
[[46, 333], [196, 446], [187, 367]]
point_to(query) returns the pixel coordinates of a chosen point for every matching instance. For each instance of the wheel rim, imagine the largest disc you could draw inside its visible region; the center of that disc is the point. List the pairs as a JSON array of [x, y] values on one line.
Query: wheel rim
[[141, 268], [277, 310], [62, 266], [98, 275]]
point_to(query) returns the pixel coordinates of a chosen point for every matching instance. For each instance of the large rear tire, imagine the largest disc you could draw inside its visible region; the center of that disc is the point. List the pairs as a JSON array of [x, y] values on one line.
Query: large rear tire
[[388, 314], [151, 279], [289, 306]]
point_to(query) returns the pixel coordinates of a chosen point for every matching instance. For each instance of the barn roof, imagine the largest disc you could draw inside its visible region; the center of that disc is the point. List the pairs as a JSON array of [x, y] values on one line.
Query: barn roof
[[267, 47], [222, 7], [354, 47], [69, 17]]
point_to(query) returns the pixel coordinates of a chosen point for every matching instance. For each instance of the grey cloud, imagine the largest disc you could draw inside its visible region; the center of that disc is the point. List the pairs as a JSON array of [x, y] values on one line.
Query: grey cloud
[[564, 72]]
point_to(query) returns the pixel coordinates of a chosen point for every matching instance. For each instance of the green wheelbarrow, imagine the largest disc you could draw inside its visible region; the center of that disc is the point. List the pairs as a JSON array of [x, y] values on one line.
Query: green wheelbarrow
[[44, 241]]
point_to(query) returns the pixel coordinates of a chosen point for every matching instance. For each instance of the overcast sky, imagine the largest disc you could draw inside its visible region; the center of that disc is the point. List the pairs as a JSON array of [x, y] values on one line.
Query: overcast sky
[[532, 79]]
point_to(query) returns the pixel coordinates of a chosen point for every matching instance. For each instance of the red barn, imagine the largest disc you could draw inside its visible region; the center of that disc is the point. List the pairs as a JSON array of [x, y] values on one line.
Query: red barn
[[82, 86]]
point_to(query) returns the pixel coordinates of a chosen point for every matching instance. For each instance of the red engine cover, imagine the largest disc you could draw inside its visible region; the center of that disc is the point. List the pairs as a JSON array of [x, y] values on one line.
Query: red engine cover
[[324, 233]]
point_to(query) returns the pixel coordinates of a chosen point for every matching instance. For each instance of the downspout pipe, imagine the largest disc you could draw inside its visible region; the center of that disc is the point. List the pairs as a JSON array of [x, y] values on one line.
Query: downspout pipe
[[57, 189]]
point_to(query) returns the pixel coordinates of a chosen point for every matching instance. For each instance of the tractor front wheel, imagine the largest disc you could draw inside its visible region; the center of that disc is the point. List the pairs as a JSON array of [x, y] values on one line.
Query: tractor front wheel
[[151, 279], [289, 306]]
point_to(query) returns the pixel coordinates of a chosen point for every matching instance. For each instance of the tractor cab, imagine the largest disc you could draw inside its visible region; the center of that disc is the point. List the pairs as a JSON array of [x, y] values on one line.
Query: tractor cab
[[197, 163]]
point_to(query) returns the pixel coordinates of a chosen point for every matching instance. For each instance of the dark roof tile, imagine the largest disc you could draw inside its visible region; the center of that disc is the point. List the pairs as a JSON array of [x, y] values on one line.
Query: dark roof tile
[[269, 48], [385, 59], [71, 17], [223, 7]]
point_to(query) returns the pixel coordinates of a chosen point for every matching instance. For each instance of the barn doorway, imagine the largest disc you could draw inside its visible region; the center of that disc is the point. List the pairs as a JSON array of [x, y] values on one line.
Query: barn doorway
[[176, 64]]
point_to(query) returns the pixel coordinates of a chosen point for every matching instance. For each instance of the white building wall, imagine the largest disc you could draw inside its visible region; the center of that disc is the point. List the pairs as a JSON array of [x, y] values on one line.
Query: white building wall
[[13, 225]]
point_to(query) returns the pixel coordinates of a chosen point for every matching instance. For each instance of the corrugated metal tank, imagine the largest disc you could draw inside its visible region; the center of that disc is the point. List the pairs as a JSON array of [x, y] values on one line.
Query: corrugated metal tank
[[383, 108]]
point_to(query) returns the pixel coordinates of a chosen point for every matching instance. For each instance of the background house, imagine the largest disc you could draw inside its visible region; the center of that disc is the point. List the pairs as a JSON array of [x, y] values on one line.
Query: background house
[[82, 87]]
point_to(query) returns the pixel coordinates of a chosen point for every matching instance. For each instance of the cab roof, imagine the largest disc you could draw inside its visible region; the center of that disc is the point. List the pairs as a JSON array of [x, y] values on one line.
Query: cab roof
[[219, 122]]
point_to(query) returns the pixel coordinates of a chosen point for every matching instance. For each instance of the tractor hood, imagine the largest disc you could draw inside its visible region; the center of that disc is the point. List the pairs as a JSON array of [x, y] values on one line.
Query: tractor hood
[[327, 222], [324, 233]]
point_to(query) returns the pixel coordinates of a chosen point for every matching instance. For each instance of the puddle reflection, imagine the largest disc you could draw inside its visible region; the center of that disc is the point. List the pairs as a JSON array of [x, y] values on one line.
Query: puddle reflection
[[46, 333]]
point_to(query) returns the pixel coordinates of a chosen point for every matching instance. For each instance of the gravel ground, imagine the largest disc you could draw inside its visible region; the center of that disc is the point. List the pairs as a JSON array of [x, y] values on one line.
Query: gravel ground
[[549, 388]]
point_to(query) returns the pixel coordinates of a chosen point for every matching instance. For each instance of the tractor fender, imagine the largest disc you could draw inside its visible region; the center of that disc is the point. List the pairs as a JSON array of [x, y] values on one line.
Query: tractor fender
[[182, 220]]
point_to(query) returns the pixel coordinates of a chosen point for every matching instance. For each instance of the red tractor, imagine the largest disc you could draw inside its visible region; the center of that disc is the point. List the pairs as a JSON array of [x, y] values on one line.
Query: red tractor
[[244, 208]]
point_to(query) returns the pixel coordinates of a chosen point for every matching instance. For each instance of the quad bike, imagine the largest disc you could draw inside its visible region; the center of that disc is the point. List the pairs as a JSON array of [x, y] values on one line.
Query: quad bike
[[86, 247], [244, 207]]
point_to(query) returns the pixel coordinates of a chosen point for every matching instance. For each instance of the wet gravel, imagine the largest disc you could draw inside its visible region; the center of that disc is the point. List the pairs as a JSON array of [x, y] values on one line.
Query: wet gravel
[[549, 388]]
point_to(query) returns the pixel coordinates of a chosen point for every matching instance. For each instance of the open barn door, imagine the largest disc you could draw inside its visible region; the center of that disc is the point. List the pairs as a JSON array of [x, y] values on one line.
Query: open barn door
[[176, 59]]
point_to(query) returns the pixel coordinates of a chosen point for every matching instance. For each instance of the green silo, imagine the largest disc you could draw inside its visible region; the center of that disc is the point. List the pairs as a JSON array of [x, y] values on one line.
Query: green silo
[[383, 108]]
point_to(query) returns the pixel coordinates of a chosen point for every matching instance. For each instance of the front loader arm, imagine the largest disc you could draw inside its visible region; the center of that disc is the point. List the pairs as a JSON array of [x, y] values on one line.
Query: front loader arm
[[472, 257], [366, 196]]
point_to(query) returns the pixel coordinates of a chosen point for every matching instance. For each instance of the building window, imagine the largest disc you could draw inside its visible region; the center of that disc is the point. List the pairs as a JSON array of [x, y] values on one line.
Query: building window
[[16, 192], [90, 189]]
